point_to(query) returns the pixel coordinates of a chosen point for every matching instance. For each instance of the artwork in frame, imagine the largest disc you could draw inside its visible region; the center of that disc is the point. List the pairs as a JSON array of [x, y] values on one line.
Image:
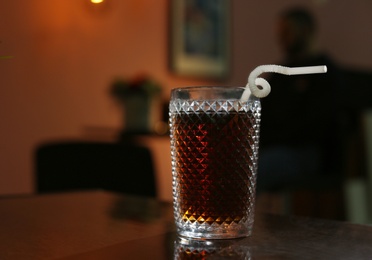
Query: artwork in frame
[[200, 38]]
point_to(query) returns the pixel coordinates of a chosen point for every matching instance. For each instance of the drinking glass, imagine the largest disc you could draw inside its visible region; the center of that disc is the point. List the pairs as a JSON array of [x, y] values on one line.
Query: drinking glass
[[214, 150]]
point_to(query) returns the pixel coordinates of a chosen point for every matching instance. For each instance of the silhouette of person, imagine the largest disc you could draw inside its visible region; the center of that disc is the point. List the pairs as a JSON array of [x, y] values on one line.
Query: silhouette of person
[[300, 117]]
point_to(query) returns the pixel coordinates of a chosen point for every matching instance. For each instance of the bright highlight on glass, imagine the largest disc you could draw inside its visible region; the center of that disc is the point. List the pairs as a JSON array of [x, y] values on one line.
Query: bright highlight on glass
[[96, 1]]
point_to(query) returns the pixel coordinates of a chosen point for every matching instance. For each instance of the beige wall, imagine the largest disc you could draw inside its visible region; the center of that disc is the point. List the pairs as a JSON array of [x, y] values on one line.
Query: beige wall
[[66, 53]]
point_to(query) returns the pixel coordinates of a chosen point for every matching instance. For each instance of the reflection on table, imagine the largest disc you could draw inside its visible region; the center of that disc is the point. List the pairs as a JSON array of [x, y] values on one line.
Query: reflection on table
[[103, 225]]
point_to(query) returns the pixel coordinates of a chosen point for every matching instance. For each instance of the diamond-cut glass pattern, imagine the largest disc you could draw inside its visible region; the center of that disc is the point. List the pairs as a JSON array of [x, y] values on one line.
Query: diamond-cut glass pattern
[[214, 148]]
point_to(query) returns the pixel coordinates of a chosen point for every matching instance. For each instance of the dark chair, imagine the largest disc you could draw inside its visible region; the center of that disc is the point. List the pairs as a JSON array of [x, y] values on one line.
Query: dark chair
[[119, 167]]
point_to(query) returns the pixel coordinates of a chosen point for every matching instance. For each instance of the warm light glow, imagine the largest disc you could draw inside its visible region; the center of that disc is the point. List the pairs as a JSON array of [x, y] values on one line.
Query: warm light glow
[[96, 1]]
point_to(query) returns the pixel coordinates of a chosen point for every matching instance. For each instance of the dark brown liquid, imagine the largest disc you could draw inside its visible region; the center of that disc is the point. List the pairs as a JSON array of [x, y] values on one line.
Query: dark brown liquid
[[215, 160]]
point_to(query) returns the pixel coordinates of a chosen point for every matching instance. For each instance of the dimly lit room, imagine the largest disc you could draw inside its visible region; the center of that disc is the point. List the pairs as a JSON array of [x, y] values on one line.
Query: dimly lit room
[[97, 158]]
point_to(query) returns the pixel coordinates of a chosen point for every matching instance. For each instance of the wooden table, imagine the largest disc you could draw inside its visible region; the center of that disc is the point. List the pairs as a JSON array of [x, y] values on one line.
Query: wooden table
[[103, 225]]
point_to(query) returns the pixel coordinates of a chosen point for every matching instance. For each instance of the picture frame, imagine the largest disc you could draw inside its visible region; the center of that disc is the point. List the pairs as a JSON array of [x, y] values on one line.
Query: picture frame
[[199, 38]]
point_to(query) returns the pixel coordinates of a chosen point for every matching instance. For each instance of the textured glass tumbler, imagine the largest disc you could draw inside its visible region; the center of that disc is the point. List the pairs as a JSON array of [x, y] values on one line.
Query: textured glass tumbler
[[214, 149]]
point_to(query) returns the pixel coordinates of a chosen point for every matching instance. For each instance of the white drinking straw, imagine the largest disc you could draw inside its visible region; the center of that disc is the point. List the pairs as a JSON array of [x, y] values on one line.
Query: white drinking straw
[[264, 89]]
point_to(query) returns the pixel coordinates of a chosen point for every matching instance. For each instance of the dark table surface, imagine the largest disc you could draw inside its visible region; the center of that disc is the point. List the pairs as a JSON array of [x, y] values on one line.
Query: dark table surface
[[104, 225]]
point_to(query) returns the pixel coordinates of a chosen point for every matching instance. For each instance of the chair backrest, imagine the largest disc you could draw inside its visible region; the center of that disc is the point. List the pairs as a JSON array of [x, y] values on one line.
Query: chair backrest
[[119, 167], [367, 118]]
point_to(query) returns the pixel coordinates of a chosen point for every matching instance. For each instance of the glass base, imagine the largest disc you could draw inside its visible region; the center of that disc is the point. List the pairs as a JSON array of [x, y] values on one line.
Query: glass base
[[220, 232], [189, 248]]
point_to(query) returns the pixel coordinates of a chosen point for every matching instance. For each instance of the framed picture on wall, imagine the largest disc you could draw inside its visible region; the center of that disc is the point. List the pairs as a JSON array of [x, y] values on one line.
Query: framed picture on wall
[[199, 38]]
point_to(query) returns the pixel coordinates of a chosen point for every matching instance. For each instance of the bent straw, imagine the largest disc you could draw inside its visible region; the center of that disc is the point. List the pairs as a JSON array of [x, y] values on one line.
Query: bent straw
[[254, 81]]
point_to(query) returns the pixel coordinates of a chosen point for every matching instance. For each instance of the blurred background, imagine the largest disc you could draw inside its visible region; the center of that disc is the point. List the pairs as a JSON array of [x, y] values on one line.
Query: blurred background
[[66, 53]]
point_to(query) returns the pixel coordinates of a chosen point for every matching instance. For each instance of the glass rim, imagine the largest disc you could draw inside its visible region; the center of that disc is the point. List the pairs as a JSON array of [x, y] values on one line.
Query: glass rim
[[207, 87], [210, 93]]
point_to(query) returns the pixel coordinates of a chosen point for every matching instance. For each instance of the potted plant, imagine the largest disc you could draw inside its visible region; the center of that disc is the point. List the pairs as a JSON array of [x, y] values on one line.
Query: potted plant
[[137, 97]]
